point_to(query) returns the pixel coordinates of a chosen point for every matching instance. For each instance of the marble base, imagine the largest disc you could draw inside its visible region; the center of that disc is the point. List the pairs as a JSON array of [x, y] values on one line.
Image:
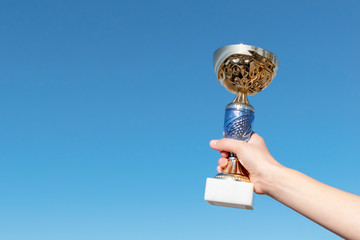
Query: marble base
[[228, 193]]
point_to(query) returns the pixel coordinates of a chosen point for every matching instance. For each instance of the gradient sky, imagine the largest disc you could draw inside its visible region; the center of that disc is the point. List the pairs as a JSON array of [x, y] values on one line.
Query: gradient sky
[[107, 108]]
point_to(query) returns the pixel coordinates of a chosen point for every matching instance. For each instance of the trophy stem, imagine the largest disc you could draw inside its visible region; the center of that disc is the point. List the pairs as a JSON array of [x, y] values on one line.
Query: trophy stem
[[239, 116], [234, 171], [241, 97]]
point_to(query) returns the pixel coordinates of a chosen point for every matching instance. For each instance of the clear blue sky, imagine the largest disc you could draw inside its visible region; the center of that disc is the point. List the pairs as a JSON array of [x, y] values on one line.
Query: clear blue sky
[[107, 108]]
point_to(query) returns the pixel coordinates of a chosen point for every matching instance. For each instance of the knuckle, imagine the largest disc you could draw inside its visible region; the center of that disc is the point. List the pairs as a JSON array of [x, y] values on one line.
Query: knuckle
[[260, 139], [256, 138]]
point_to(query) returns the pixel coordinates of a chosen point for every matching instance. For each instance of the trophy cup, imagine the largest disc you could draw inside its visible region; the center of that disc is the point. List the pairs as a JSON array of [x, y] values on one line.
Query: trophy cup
[[243, 70]]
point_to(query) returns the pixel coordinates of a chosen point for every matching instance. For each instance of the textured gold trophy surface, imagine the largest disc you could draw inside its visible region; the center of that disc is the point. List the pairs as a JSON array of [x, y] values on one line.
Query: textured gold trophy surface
[[243, 70], [246, 71]]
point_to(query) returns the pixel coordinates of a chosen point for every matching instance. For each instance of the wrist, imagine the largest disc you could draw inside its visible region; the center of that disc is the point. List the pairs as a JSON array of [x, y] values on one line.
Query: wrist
[[270, 181]]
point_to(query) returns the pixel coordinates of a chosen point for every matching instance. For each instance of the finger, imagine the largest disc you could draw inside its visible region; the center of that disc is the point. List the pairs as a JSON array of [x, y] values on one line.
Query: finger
[[223, 134], [223, 162], [224, 154], [219, 169], [228, 145]]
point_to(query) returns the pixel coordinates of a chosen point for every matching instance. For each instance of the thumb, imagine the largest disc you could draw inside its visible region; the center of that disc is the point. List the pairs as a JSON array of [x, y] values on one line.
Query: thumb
[[227, 144]]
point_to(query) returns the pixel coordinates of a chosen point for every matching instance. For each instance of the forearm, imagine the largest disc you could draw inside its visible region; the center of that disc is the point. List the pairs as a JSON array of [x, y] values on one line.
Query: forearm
[[334, 209]]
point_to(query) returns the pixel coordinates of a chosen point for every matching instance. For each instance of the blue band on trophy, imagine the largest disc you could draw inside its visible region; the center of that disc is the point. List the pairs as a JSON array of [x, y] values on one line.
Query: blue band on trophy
[[238, 123]]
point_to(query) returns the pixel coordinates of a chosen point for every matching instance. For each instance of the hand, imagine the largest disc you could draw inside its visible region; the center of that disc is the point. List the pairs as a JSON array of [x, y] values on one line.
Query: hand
[[253, 155], [332, 208]]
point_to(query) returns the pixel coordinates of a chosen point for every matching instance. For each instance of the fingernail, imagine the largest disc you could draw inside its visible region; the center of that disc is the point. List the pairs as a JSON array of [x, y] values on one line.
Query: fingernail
[[213, 143]]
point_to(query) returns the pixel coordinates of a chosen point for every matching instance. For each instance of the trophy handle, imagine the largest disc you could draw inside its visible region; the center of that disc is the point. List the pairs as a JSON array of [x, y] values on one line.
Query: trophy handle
[[239, 118]]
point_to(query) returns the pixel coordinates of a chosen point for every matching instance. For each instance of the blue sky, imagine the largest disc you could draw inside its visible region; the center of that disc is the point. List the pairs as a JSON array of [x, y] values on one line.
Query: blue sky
[[107, 108]]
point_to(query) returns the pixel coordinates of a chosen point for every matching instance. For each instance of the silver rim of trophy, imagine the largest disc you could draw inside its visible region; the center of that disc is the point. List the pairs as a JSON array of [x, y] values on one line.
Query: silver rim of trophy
[[222, 53]]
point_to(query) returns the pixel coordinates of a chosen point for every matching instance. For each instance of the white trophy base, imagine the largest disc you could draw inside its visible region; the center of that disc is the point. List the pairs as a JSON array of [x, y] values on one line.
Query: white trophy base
[[228, 193]]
